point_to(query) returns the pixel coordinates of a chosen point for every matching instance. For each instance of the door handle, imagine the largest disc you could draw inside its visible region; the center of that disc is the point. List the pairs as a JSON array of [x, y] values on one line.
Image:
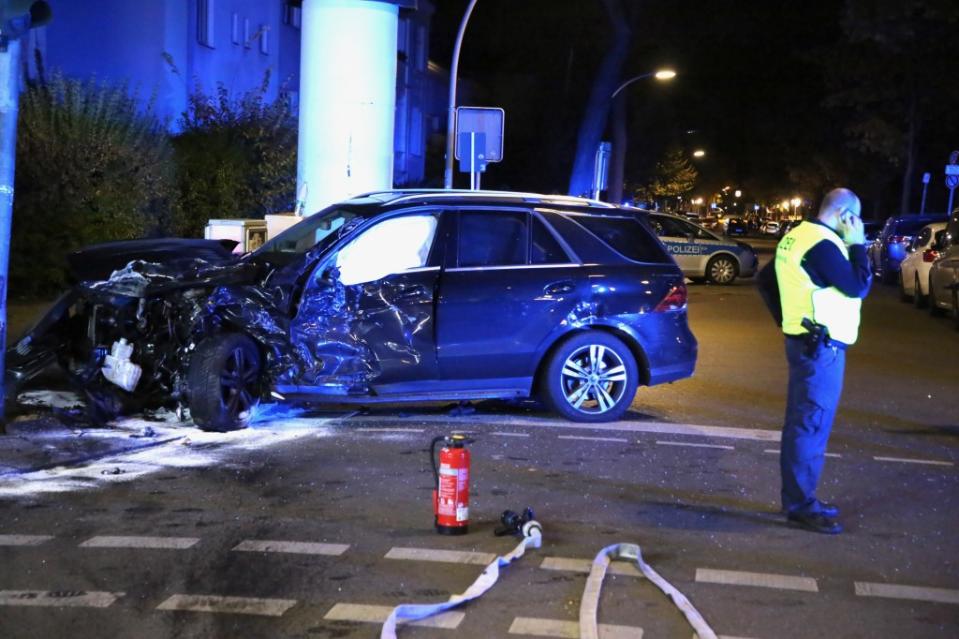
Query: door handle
[[558, 288]]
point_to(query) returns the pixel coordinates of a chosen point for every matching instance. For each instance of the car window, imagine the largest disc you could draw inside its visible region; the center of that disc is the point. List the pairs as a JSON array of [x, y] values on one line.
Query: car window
[[492, 238], [545, 248], [938, 241], [317, 229], [626, 235], [921, 239], [391, 246], [667, 226]]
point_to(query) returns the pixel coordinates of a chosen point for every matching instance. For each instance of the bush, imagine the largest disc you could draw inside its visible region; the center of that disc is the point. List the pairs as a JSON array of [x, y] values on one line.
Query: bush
[[234, 158], [91, 167]]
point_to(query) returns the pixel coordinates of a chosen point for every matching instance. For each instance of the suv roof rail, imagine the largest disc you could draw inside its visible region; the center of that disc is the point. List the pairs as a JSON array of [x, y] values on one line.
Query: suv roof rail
[[401, 195]]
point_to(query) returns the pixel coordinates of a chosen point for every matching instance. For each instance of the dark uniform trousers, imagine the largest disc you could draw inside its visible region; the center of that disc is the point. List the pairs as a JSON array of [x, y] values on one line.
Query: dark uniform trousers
[[815, 385]]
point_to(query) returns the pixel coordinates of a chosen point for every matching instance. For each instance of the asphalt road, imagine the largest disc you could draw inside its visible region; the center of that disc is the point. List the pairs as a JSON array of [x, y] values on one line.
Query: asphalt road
[[316, 524]]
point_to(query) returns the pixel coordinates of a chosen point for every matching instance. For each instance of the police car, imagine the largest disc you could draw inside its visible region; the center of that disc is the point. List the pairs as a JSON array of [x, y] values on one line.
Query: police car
[[701, 253]]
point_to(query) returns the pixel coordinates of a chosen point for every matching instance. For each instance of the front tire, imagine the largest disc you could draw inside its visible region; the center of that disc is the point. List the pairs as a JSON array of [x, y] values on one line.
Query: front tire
[[722, 270], [934, 309], [591, 377], [224, 379]]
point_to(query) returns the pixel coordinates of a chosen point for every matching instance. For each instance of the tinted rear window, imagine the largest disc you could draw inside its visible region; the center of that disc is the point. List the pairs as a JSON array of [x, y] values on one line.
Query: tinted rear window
[[492, 238], [625, 235]]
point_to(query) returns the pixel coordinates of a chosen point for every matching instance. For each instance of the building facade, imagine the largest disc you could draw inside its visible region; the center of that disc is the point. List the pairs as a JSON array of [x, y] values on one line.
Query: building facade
[[165, 49]]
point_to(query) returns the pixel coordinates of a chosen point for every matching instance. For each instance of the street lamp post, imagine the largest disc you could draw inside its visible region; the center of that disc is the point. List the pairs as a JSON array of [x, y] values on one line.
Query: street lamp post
[[618, 163], [451, 112]]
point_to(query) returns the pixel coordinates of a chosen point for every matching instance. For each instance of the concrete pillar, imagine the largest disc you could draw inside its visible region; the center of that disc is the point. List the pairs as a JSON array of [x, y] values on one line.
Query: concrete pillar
[[347, 99]]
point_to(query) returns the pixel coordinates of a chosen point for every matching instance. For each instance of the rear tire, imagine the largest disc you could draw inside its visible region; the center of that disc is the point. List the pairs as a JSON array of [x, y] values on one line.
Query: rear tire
[[904, 297], [918, 299], [591, 377], [722, 270], [224, 379]]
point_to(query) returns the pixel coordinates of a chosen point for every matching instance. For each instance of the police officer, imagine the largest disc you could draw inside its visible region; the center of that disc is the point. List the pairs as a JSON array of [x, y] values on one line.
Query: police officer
[[823, 275]]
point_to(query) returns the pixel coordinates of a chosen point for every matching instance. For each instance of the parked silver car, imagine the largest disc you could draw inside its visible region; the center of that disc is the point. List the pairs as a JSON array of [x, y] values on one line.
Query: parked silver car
[[944, 273]]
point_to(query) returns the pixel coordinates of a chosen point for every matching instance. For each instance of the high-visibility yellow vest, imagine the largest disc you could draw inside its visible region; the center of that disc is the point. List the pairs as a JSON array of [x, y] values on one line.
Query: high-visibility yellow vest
[[799, 295]]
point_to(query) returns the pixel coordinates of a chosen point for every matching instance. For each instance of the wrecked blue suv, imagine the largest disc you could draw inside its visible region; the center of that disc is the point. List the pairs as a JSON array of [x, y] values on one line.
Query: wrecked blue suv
[[391, 296]]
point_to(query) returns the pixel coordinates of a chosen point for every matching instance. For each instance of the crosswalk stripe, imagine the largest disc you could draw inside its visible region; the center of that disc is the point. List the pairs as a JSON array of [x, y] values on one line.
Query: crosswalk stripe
[[24, 540], [909, 460], [538, 627], [449, 620], [775, 451], [621, 440], [292, 547], [228, 605], [58, 598], [695, 445], [572, 564], [157, 543], [758, 579], [389, 430], [444, 556], [915, 593]]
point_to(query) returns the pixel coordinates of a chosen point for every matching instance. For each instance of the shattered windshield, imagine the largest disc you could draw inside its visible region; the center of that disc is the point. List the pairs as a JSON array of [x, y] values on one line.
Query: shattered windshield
[[319, 228]]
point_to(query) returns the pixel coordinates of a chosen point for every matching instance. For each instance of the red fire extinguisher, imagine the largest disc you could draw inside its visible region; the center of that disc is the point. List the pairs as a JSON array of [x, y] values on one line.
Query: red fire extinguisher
[[451, 495]]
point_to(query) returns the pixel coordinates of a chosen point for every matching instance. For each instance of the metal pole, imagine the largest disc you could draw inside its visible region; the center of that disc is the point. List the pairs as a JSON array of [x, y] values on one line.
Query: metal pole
[[9, 89], [922, 205], [451, 112]]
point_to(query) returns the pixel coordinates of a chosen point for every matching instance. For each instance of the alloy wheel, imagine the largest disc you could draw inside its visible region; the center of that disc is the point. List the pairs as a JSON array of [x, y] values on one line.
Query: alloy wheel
[[237, 382], [593, 379], [722, 271]]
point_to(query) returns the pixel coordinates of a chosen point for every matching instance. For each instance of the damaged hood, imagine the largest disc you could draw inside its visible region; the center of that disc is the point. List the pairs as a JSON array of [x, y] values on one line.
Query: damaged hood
[[99, 261], [140, 278]]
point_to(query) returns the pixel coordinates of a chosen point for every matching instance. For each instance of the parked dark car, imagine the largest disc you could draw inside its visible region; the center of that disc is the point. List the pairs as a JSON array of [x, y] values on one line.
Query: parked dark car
[[399, 295], [737, 227], [890, 246]]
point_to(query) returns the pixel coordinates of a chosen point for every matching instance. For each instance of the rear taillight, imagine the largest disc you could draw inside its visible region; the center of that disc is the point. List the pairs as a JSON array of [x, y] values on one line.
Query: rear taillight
[[675, 299], [930, 255]]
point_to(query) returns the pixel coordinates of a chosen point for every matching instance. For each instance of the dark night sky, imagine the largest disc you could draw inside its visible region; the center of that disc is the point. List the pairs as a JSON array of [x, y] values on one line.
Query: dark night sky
[[751, 85]]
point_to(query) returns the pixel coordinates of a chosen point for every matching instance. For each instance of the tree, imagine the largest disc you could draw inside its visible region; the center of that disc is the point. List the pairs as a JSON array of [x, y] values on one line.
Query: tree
[[891, 79], [623, 16], [91, 167], [235, 158], [674, 177]]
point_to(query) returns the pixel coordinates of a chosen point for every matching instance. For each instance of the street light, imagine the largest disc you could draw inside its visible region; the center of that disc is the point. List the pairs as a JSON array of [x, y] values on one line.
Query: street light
[[698, 153], [451, 113], [616, 171], [662, 74]]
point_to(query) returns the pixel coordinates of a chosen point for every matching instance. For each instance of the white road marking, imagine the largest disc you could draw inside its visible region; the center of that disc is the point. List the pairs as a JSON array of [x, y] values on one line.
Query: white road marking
[[228, 605], [73, 598], [721, 446], [158, 543], [662, 428], [538, 627], [758, 579], [389, 430], [620, 440], [449, 620], [293, 547], [775, 451], [916, 593], [572, 564], [24, 540], [905, 460], [444, 556], [510, 434]]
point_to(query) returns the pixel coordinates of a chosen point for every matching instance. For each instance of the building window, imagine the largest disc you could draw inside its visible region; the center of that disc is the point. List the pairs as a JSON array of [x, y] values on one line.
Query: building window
[[264, 33], [291, 15], [205, 22], [235, 29], [246, 33]]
